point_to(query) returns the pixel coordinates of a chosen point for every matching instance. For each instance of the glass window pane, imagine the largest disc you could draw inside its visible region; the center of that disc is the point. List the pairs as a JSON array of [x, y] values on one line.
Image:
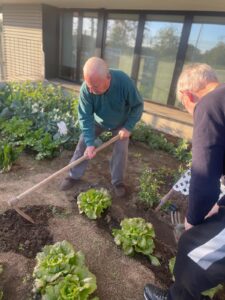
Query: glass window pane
[[207, 43], [68, 38], [89, 35], [158, 56], [120, 41]]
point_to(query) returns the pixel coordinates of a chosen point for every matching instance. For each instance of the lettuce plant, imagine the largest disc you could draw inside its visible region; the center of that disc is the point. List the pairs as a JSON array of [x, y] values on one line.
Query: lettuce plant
[[60, 274], [136, 235], [93, 202]]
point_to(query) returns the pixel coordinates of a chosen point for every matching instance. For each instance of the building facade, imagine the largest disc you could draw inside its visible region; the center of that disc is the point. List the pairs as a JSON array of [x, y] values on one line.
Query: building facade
[[151, 45]]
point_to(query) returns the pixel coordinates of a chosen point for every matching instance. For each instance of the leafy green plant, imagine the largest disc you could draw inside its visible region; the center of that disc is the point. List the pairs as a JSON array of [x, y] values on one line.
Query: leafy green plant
[[210, 293], [182, 151], [158, 141], [149, 185], [136, 235], [30, 114], [106, 136], [43, 143], [8, 154], [93, 202], [15, 129], [60, 273]]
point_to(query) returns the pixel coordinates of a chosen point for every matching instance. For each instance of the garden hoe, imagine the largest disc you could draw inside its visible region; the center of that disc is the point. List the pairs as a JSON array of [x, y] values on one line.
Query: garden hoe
[[13, 202]]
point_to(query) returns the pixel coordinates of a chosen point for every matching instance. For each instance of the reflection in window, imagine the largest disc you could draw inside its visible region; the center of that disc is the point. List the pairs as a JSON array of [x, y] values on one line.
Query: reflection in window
[[89, 35], [68, 37], [120, 41], [207, 43], [158, 56]]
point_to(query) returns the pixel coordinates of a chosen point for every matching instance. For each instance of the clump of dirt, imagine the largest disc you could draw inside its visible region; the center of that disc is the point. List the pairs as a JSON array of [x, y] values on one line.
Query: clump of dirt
[[23, 237]]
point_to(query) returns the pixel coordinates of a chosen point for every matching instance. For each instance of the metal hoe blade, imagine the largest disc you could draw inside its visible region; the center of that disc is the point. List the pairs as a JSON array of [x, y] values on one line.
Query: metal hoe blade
[[24, 215]]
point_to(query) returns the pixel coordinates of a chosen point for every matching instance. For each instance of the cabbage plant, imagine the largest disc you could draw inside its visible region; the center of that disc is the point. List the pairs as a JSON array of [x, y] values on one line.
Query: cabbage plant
[[61, 274], [136, 235], [93, 202]]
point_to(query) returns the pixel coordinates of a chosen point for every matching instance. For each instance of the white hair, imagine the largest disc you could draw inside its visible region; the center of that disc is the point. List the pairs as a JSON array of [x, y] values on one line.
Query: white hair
[[195, 77], [96, 66]]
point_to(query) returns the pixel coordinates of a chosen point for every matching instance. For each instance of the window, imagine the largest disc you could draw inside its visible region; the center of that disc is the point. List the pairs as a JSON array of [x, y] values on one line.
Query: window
[[158, 56], [207, 43], [120, 41], [68, 47], [89, 35]]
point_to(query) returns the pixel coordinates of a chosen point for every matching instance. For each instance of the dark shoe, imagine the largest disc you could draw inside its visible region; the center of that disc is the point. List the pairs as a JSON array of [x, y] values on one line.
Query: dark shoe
[[119, 190], [152, 292], [67, 183]]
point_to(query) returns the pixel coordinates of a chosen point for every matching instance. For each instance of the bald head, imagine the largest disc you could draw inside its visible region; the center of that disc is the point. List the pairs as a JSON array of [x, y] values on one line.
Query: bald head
[[96, 75], [95, 67]]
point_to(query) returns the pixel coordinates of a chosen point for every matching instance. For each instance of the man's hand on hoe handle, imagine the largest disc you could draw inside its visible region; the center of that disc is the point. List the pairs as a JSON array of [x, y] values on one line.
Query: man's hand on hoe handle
[[90, 152], [124, 133]]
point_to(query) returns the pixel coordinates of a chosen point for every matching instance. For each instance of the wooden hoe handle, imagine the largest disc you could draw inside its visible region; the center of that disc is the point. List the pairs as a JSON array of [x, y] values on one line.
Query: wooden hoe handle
[[14, 200]]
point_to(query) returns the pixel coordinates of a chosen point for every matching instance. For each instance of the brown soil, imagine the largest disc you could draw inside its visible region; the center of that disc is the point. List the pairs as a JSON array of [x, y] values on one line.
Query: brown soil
[[57, 218]]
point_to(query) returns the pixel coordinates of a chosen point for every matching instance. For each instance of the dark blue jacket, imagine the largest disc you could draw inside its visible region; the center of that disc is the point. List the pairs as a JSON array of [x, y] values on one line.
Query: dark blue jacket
[[208, 153]]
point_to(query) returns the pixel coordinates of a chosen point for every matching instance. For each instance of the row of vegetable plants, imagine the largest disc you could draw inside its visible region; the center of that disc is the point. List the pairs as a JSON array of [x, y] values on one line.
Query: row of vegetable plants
[[60, 272], [42, 118], [37, 117]]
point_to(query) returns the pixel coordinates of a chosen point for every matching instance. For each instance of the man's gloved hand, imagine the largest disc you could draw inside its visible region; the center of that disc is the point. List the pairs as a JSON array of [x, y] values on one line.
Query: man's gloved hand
[[124, 133], [90, 152]]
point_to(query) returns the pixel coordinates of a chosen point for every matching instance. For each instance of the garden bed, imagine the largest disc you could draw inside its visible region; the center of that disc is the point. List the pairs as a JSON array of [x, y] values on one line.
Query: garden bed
[[38, 122], [57, 218]]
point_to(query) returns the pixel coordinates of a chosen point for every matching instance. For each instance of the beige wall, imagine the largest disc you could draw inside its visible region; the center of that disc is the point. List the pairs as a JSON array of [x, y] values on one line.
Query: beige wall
[[22, 39], [191, 5]]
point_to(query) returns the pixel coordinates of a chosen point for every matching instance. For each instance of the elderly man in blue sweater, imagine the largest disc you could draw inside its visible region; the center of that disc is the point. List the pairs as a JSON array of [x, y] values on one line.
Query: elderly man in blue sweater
[[200, 261], [109, 101]]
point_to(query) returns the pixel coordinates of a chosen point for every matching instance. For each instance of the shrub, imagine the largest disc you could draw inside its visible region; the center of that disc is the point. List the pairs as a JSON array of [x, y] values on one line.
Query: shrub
[[60, 273], [93, 202], [136, 235]]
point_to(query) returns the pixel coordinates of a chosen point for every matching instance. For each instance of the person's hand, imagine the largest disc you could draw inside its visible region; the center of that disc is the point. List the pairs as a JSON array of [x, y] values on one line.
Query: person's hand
[[187, 225], [90, 152], [124, 133], [213, 211]]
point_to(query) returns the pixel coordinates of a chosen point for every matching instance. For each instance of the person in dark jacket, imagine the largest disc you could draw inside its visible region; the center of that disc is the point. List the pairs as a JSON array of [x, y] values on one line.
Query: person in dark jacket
[[200, 261], [109, 101]]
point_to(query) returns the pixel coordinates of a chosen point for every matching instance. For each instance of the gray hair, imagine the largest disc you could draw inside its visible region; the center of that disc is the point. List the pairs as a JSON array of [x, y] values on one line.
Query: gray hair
[[195, 77]]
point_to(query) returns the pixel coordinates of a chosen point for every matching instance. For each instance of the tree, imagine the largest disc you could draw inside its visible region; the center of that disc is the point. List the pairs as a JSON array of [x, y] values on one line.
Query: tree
[[216, 56], [166, 43]]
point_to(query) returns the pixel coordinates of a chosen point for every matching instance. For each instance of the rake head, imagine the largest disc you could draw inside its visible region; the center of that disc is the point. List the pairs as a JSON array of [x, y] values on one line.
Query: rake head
[[177, 224]]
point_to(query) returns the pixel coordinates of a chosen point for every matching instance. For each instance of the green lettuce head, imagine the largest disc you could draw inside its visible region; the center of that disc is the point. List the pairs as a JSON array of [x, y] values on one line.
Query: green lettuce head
[[93, 202]]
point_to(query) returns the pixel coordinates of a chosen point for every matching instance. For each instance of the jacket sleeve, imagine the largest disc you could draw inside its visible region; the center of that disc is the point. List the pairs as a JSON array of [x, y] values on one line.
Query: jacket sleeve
[[135, 102], [207, 165], [86, 117]]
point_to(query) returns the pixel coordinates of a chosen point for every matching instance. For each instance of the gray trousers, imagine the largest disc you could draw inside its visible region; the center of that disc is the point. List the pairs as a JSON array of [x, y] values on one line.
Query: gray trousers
[[118, 161]]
